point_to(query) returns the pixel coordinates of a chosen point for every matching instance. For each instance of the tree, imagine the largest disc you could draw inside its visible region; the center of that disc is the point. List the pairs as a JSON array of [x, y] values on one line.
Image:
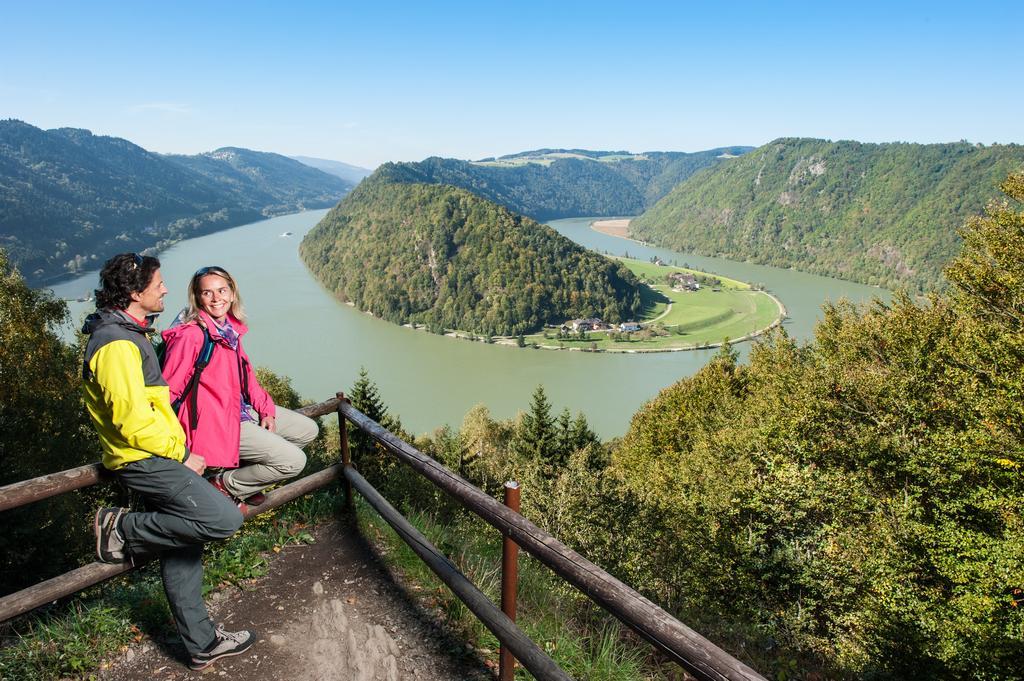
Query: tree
[[43, 429], [366, 398], [536, 437], [858, 496], [279, 387]]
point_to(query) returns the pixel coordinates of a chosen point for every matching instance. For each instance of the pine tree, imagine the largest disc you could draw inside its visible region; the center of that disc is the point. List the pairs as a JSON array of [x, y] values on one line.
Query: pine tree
[[581, 435], [537, 437], [565, 441], [366, 398]]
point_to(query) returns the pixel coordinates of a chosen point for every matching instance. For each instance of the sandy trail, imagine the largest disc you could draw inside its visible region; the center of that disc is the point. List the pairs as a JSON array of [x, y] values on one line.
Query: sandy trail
[[324, 611]]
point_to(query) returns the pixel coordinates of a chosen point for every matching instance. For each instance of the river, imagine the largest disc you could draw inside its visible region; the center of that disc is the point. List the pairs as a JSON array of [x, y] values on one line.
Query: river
[[300, 330]]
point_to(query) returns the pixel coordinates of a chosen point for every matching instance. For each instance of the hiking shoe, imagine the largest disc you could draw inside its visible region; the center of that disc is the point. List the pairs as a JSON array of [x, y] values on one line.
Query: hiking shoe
[[256, 499], [225, 644], [109, 542], [218, 482]]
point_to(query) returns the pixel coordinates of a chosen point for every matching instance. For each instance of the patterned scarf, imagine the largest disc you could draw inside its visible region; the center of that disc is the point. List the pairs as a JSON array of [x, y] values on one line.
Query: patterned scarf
[[230, 336]]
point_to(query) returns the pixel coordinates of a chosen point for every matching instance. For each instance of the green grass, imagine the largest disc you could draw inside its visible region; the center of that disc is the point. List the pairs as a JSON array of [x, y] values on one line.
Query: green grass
[[681, 319], [657, 273], [584, 641]]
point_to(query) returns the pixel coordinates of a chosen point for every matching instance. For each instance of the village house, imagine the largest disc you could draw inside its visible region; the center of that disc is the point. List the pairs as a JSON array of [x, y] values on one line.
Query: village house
[[683, 281], [629, 326], [591, 324]]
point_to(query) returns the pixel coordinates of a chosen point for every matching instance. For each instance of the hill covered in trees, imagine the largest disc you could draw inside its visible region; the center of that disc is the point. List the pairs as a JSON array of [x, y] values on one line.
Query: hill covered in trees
[[69, 199], [882, 214], [441, 256], [548, 184]]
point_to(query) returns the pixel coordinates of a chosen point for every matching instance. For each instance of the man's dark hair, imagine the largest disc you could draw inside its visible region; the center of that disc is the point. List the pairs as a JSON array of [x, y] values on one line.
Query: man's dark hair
[[122, 276]]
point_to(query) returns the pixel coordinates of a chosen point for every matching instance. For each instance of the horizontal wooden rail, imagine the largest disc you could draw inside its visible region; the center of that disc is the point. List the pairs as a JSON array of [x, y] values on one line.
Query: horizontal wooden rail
[[526, 651], [696, 654], [46, 486], [37, 489], [20, 602]]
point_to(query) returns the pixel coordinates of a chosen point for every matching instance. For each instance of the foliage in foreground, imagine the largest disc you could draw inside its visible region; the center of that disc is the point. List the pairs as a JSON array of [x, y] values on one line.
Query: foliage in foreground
[[43, 429], [549, 455], [855, 502], [584, 643]]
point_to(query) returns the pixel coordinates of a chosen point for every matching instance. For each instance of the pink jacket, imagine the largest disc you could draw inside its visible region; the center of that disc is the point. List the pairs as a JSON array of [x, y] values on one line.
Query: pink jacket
[[218, 400]]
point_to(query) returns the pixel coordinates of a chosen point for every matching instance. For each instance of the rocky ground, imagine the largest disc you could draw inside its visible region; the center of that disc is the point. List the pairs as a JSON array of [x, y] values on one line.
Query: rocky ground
[[325, 611]]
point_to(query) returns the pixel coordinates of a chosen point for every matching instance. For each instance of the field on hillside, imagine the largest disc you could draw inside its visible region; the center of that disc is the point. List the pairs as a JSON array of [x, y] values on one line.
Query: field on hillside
[[674, 320]]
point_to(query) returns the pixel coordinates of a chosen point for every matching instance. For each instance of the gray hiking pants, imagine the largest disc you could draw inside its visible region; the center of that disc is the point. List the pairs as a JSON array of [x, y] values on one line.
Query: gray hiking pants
[[267, 458], [183, 512]]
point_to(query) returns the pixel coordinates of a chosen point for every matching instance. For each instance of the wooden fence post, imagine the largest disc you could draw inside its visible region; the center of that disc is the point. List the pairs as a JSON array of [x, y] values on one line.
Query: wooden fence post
[[346, 456], [509, 583]]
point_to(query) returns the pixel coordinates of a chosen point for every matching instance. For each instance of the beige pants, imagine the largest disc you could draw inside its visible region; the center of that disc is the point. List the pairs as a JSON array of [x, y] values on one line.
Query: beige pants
[[266, 458]]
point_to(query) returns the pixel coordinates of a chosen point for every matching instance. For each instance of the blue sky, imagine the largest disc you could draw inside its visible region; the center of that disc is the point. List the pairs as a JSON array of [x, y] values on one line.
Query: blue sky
[[372, 82]]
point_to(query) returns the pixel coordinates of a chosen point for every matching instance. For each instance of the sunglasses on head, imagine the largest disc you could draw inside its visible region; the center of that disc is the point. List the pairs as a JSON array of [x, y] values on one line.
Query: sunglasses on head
[[210, 269], [138, 260]]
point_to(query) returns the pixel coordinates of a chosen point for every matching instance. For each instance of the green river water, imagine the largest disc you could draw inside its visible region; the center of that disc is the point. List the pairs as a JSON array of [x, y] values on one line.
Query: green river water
[[300, 330]]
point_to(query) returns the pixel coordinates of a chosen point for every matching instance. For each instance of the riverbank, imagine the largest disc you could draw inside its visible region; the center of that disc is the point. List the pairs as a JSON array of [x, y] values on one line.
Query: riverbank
[[618, 227], [721, 309], [58, 280]]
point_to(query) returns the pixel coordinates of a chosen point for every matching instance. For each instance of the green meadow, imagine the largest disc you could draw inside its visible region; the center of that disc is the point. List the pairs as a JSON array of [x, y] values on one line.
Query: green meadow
[[674, 320]]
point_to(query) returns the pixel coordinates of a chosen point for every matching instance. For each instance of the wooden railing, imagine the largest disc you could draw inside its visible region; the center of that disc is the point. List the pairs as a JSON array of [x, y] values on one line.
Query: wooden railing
[[693, 652]]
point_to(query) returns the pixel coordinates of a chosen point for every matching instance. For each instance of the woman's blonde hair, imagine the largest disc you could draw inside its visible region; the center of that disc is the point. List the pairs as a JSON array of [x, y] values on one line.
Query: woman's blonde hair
[[191, 311]]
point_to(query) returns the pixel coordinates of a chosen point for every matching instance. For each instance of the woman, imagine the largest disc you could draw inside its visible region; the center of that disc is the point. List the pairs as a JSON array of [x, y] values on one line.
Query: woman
[[228, 417]]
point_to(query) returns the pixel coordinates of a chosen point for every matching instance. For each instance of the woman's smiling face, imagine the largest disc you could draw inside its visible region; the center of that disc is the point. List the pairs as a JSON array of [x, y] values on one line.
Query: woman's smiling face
[[215, 296]]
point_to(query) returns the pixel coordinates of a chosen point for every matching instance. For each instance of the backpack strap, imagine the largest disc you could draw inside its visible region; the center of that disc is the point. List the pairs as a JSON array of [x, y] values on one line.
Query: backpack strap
[[192, 387]]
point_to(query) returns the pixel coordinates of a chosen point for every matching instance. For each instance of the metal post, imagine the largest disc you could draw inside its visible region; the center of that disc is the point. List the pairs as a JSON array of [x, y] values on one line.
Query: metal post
[[509, 583], [346, 456]]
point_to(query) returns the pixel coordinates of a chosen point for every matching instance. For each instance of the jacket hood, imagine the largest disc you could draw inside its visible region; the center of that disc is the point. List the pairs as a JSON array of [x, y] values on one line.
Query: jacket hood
[[101, 318]]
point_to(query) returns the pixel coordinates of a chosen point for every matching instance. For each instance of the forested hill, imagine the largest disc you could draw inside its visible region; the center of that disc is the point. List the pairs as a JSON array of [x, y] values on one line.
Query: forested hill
[[69, 199], [883, 214], [554, 183], [444, 257]]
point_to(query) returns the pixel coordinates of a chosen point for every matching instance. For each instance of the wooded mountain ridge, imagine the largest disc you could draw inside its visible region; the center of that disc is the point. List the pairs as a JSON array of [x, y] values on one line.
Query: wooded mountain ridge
[[549, 184], [443, 257], [884, 214], [69, 199]]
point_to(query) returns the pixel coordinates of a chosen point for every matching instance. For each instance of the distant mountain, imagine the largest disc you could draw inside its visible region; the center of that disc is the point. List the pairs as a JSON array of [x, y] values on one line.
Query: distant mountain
[[276, 183], [444, 257], [883, 214], [555, 183], [69, 199], [349, 173]]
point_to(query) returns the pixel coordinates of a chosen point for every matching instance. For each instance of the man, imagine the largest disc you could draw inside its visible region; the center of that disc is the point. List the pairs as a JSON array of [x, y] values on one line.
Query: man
[[144, 445]]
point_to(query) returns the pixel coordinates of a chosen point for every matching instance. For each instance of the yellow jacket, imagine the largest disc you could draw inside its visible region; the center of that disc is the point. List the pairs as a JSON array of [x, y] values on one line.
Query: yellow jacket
[[126, 394]]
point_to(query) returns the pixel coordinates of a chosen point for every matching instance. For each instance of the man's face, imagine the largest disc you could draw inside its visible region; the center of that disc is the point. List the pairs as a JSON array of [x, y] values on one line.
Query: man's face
[[151, 298]]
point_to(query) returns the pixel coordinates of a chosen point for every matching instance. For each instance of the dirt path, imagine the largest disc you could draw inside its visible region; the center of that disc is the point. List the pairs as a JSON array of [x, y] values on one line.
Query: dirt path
[[324, 611]]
